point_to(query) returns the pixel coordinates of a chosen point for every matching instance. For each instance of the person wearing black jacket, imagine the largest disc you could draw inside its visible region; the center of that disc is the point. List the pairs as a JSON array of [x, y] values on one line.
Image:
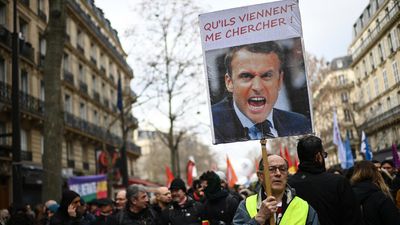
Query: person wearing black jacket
[[67, 212], [329, 194], [183, 210], [220, 206], [137, 210], [374, 196]]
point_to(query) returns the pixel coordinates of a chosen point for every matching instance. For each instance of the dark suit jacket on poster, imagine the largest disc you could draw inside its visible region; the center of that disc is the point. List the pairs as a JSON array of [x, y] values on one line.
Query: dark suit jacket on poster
[[228, 128]]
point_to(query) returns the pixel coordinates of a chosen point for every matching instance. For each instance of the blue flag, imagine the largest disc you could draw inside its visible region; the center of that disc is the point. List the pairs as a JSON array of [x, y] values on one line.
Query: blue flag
[[349, 154], [119, 95], [365, 149]]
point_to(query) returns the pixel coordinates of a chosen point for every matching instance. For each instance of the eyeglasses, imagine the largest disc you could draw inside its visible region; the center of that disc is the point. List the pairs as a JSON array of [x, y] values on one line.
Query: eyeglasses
[[324, 154], [282, 169]]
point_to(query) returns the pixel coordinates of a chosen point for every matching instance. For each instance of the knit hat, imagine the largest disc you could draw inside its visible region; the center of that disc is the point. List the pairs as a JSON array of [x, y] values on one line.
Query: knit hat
[[178, 184]]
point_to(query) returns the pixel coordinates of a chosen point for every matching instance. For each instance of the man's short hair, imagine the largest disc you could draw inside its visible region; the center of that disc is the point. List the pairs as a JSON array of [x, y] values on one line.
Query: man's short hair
[[388, 161], [261, 164], [308, 147], [261, 47], [133, 191]]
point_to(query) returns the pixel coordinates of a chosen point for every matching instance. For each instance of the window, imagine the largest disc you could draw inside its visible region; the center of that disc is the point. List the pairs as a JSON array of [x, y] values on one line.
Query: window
[[342, 79], [24, 140], [105, 121], [347, 116], [66, 62], [41, 6], [344, 96], [369, 92], [95, 117], [70, 151], [339, 64], [372, 61], [79, 39], [385, 79], [81, 73], [396, 72], [389, 103], [82, 111], [3, 130], [42, 45], [94, 82], [376, 82], [3, 73], [3, 14], [93, 52], [24, 82], [364, 67], [381, 52], [85, 154], [23, 29], [349, 132], [68, 103], [390, 43], [42, 93]]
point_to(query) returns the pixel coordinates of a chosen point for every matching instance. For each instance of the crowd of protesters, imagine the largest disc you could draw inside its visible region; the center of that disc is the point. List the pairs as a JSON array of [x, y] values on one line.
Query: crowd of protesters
[[368, 193]]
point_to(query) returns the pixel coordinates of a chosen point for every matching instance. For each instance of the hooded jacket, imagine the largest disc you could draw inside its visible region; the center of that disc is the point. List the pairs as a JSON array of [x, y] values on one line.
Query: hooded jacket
[[377, 208], [62, 217]]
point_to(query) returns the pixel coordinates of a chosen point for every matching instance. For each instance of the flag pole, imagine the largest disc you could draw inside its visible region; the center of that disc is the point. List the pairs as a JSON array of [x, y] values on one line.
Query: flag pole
[[267, 181]]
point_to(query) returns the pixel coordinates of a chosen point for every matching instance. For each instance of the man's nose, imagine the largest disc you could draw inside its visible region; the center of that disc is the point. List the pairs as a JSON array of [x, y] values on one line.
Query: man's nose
[[256, 83]]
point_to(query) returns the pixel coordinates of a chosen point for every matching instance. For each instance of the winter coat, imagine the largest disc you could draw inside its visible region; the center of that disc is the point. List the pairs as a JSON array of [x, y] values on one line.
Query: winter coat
[[145, 217], [329, 194], [187, 214], [220, 209], [377, 208], [61, 217]]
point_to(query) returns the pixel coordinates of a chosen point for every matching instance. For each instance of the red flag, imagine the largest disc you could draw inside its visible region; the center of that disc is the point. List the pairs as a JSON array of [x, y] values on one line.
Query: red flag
[[296, 162], [231, 177], [281, 151], [170, 175], [292, 166], [191, 171]]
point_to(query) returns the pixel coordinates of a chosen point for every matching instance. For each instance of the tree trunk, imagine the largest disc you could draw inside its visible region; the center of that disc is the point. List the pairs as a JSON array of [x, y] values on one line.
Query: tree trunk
[[54, 116]]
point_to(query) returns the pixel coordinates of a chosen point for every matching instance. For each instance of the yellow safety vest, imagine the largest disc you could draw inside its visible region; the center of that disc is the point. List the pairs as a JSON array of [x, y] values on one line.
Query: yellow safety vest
[[295, 214]]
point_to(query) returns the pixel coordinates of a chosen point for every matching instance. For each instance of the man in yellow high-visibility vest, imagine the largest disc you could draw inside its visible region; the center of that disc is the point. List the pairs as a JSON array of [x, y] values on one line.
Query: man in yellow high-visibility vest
[[284, 205]]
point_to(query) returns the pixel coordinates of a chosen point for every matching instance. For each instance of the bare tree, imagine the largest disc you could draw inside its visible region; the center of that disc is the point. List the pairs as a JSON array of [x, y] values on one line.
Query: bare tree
[[54, 119], [168, 69]]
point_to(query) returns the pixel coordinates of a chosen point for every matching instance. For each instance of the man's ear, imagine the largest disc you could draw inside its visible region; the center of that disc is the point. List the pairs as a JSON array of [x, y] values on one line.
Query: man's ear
[[280, 79], [228, 82]]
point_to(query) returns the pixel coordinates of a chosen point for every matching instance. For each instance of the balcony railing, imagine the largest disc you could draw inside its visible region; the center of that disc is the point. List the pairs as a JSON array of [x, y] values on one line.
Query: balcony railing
[[83, 87], [96, 96], [106, 104], [93, 60], [80, 49], [102, 70], [376, 31], [27, 102], [26, 50], [386, 117], [5, 36], [42, 15], [26, 155], [94, 130], [68, 77]]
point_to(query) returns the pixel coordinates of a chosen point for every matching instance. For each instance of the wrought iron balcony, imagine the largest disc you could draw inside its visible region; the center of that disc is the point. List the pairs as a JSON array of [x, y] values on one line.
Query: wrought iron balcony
[[27, 102], [105, 102], [382, 119], [93, 60], [26, 49], [80, 49], [96, 96], [131, 147], [26, 155], [391, 16], [5, 36], [25, 2], [68, 77], [83, 87], [102, 70]]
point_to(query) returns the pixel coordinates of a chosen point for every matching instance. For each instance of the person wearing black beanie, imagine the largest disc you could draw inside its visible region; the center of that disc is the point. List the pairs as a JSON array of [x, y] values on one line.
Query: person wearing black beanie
[[66, 213]]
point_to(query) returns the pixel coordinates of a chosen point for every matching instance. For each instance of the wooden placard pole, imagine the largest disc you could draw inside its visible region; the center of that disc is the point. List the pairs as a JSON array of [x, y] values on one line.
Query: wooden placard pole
[[267, 181]]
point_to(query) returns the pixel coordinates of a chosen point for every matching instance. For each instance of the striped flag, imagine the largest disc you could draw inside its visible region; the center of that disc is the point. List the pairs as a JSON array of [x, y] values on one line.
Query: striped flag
[[365, 149], [337, 140]]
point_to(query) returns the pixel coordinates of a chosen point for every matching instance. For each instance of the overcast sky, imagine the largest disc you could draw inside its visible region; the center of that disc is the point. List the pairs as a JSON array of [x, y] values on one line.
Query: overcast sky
[[327, 32]]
